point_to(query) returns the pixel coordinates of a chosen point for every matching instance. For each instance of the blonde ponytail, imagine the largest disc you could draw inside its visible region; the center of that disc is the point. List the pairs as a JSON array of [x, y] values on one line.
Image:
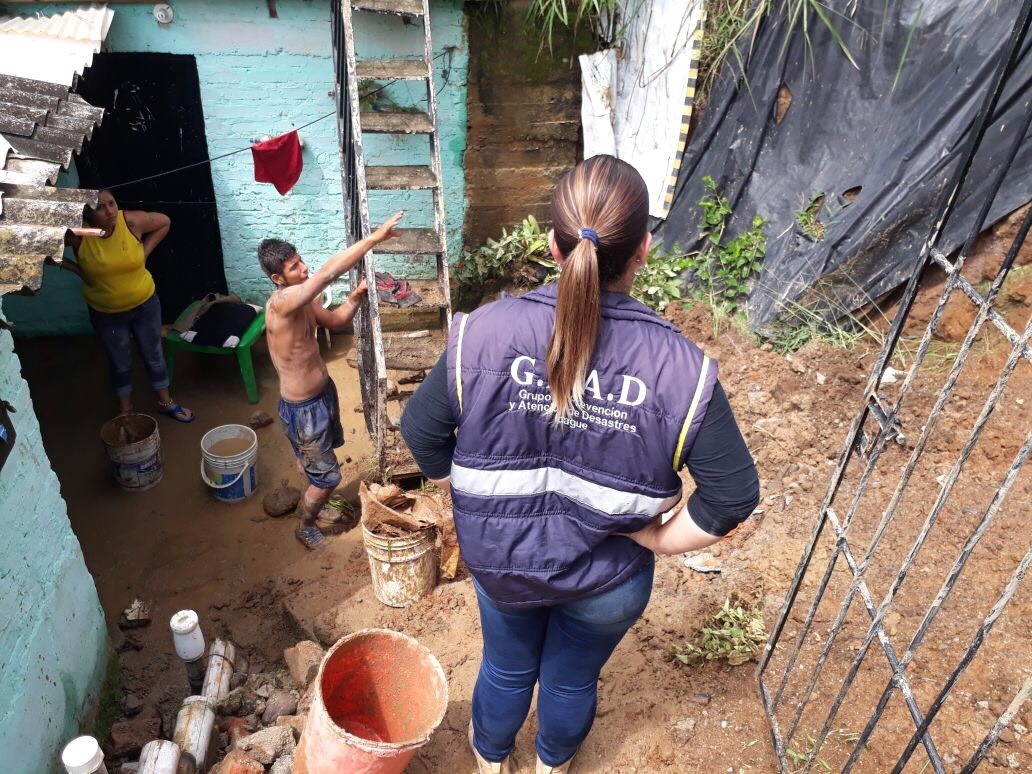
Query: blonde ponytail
[[600, 212], [577, 312]]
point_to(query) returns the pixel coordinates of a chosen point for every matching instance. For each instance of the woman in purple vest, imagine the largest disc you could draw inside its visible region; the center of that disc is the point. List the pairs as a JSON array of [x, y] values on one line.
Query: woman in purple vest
[[559, 420]]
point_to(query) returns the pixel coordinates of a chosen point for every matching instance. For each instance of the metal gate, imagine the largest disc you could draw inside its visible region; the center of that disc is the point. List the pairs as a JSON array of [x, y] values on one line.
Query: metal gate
[[833, 700]]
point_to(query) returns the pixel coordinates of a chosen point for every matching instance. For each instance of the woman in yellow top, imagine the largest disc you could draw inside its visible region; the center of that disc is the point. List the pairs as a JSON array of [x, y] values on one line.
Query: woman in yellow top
[[119, 292]]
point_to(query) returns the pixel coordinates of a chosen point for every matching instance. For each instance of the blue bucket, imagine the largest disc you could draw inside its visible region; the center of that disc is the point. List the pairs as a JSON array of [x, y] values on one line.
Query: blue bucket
[[229, 456]]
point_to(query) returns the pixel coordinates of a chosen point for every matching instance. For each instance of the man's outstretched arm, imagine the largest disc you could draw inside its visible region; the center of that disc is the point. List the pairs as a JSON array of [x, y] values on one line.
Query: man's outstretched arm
[[289, 300]]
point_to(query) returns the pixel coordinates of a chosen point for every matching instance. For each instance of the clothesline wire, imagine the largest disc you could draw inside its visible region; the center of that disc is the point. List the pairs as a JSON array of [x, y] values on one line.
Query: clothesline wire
[[208, 160], [248, 147]]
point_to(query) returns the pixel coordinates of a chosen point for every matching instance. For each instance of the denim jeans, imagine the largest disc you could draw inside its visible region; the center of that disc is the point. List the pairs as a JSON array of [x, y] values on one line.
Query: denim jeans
[[562, 648], [142, 323]]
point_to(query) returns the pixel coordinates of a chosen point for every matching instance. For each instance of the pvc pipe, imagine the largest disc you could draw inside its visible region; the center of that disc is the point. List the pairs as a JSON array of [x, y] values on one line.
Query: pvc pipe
[[193, 729], [159, 757], [186, 635], [189, 644], [83, 755], [221, 657]]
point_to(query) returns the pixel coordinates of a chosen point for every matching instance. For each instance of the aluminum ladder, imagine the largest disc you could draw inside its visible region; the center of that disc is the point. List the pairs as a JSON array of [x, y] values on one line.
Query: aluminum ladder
[[406, 352]]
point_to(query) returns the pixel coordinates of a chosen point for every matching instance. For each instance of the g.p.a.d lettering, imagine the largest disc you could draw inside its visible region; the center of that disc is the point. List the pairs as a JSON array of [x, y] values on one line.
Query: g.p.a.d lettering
[[632, 390]]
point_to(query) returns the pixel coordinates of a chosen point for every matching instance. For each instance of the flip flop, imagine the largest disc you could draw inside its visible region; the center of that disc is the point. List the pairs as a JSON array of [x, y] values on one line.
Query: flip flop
[[310, 537], [176, 412]]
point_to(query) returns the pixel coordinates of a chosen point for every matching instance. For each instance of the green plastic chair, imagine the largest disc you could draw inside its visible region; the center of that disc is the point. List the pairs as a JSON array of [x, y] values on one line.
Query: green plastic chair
[[173, 342]]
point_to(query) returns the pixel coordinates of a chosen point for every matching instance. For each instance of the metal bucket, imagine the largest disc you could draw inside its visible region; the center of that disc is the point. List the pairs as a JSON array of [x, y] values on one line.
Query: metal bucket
[[403, 569], [133, 445], [230, 477]]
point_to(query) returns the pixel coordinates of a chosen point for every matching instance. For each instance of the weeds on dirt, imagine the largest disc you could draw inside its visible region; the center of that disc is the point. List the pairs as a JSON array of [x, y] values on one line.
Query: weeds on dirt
[[342, 505], [547, 15], [731, 29], [829, 321], [722, 269], [735, 633], [799, 759], [660, 281], [803, 324], [499, 259], [808, 219]]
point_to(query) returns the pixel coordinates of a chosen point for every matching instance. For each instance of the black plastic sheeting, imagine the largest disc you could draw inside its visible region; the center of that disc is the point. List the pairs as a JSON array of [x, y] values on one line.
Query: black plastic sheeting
[[882, 157]]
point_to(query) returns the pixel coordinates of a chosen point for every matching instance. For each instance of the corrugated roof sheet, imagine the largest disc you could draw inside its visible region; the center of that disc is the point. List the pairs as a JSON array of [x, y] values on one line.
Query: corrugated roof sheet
[[41, 124], [85, 23]]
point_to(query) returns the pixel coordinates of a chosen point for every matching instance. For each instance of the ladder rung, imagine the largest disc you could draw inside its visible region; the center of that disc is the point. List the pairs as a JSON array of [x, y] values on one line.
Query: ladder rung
[[412, 241], [399, 178], [397, 123], [392, 69], [403, 353], [405, 7]]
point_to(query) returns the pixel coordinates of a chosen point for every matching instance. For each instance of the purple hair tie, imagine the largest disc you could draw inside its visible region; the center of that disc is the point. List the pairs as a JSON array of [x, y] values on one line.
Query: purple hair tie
[[589, 233]]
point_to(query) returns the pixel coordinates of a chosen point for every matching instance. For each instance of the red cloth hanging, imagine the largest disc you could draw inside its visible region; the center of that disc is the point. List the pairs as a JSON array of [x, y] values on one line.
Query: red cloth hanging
[[278, 161]]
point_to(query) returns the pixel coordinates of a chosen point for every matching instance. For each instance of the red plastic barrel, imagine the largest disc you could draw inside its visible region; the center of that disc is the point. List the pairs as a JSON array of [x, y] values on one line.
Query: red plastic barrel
[[378, 697]]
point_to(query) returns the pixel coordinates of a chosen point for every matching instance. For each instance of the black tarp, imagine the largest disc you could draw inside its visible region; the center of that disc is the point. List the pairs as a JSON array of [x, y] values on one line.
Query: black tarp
[[849, 130]]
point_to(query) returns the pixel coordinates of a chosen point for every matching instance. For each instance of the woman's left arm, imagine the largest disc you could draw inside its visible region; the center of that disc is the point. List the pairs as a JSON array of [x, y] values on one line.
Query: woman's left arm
[[727, 487], [428, 426], [150, 228]]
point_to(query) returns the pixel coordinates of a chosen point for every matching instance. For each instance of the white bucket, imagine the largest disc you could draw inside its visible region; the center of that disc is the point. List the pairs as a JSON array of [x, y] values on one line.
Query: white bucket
[[403, 569], [133, 445], [230, 477]]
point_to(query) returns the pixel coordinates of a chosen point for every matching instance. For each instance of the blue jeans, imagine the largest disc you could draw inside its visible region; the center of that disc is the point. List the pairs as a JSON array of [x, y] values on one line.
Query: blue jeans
[[563, 648], [313, 428], [142, 323]]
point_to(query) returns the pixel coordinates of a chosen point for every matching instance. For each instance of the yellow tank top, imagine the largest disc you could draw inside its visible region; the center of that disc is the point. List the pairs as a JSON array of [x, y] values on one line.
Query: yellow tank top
[[116, 276]]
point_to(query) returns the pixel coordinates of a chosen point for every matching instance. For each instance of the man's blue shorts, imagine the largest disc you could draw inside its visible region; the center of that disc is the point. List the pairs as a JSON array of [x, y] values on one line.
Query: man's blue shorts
[[313, 428]]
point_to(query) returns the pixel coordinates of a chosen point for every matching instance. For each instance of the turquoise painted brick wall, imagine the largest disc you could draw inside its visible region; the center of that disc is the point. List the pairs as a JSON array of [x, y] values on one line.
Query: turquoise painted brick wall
[[264, 76], [53, 642]]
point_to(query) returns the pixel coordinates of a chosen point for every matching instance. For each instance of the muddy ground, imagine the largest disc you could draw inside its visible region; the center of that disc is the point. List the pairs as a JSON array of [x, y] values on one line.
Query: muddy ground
[[244, 573]]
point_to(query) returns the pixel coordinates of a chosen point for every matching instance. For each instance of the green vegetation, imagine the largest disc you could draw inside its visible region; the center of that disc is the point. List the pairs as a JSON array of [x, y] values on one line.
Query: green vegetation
[[735, 633], [518, 253], [731, 27], [799, 759], [662, 278], [548, 15], [722, 268], [521, 258], [808, 219]]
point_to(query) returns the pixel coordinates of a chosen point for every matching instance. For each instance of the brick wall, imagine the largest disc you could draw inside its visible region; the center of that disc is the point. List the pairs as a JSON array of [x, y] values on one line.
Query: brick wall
[[524, 119], [265, 76], [53, 643]]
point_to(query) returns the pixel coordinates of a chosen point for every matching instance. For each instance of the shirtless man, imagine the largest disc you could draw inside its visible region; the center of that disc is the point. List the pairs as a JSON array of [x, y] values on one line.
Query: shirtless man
[[308, 406]]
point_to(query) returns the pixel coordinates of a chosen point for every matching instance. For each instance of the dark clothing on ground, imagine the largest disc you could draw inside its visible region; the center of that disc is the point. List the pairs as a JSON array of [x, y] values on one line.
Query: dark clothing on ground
[[313, 428], [727, 488]]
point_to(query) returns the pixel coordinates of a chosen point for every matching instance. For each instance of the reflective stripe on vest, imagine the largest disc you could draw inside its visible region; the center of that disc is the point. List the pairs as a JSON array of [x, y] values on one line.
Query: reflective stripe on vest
[[691, 411], [521, 483], [458, 360]]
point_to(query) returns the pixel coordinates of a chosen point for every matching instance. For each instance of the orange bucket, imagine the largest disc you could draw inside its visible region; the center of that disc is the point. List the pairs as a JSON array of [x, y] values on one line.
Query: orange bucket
[[378, 697]]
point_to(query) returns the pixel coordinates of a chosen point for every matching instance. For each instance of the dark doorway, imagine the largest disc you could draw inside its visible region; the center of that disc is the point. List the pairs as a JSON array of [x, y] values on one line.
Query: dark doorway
[[153, 123]]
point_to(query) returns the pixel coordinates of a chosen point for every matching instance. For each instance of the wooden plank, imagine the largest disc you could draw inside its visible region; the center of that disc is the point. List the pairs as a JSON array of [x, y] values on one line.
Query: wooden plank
[[396, 123], [405, 354], [412, 241], [403, 7], [400, 178], [391, 69]]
